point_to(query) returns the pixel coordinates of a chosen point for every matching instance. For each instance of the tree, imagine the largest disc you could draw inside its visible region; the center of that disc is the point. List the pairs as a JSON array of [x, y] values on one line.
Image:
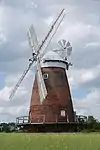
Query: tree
[[91, 119], [93, 124]]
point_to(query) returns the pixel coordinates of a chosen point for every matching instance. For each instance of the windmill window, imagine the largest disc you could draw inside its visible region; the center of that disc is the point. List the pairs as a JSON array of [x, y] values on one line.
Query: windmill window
[[63, 113], [45, 76]]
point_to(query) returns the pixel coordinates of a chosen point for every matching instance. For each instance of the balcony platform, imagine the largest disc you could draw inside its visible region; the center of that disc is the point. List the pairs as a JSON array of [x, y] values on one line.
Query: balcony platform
[[46, 127]]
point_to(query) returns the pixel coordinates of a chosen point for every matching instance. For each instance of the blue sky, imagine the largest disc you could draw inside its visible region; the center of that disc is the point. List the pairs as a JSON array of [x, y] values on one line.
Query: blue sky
[[79, 93], [81, 27]]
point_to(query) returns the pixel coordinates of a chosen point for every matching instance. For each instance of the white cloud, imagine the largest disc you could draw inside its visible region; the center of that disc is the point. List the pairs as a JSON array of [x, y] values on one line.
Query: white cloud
[[77, 31], [1, 13], [49, 20], [11, 113], [33, 4], [25, 44], [2, 39], [93, 44], [90, 104], [4, 94], [81, 33], [88, 76], [78, 77], [16, 107]]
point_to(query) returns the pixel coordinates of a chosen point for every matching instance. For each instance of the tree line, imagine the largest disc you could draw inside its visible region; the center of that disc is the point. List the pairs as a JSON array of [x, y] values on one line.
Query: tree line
[[92, 125], [8, 127]]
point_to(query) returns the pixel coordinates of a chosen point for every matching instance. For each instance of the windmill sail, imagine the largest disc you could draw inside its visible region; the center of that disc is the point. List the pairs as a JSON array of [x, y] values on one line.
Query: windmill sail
[[56, 28], [69, 48], [62, 43], [33, 42], [34, 45], [41, 85], [20, 80]]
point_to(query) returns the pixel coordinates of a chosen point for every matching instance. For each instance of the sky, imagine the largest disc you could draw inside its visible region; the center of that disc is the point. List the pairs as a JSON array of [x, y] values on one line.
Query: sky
[[81, 27]]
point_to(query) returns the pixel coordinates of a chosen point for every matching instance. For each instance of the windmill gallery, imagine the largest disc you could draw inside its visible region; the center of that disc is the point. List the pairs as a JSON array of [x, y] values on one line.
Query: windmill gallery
[[51, 108]]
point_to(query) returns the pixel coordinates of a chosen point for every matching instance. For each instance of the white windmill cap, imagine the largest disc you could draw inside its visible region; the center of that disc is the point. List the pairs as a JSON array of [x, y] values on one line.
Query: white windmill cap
[[51, 55]]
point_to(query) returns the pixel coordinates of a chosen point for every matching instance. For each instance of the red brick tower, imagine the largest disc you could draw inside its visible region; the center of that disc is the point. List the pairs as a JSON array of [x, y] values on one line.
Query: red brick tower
[[57, 106]]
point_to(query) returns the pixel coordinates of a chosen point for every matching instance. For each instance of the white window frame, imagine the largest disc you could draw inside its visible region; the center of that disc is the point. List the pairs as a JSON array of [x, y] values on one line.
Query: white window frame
[[63, 113], [45, 76]]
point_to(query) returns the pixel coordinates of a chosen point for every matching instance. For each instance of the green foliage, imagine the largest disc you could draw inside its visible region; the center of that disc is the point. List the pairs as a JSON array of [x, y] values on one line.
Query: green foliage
[[91, 119], [93, 125], [23, 141], [90, 131], [7, 127]]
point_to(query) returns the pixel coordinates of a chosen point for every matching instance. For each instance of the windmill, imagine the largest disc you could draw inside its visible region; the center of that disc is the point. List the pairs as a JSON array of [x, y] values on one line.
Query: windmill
[[51, 98]]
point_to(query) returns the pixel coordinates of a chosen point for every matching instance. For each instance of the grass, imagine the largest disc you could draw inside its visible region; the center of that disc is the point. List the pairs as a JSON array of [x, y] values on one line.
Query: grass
[[32, 141]]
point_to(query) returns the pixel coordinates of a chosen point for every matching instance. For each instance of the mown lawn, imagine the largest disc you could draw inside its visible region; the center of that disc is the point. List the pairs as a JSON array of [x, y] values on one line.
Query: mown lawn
[[25, 141]]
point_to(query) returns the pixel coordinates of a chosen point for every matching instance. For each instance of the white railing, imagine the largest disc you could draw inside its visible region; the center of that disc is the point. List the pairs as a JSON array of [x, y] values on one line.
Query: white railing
[[38, 119], [22, 120]]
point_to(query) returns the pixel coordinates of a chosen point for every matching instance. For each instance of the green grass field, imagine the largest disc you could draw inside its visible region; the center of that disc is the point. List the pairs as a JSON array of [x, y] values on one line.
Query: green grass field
[[25, 141]]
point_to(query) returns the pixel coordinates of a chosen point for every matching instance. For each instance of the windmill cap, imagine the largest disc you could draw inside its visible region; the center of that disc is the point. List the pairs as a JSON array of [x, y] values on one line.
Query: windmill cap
[[52, 55]]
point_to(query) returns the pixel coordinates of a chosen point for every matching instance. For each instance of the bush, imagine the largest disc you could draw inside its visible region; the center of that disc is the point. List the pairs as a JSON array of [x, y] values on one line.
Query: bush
[[89, 130]]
